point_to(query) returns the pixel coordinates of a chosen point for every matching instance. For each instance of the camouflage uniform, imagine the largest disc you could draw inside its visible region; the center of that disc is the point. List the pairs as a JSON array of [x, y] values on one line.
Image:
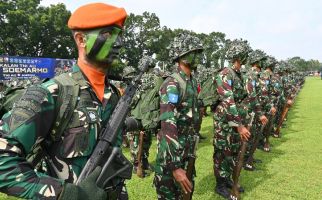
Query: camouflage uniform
[[269, 97], [175, 139], [251, 83], [254, 87], [179, 115], [228, 115], [279, 87], [230, 112], [32, 120]]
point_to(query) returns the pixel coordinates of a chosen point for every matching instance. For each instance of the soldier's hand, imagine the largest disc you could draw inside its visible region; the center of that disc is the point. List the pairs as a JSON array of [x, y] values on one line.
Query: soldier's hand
[[181, 177], [289, 102], [244, 133], [263, 119], [273, 110], [87, 189]]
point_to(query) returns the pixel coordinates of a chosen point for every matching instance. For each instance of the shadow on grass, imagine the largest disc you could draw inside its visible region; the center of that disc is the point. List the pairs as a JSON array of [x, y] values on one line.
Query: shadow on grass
[[251, 180]]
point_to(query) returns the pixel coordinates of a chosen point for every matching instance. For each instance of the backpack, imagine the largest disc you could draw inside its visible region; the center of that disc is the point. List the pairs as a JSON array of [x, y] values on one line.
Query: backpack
[[67, 99], [10, 96], [209, 95], [147, 109]]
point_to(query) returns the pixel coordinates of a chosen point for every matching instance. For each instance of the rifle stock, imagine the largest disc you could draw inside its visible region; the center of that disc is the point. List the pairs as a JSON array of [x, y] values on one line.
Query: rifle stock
[[268, 129], [139, 171], [240, 161], [191, 166], [280, 123], [285, 111], [250, 159]]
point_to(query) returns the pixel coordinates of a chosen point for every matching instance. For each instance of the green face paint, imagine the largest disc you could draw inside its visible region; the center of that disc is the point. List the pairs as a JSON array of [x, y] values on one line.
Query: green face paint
[[101, 43], [192, 59]]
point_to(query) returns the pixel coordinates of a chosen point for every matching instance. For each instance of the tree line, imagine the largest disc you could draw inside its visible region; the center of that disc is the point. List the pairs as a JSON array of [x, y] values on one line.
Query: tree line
[[29, 29]]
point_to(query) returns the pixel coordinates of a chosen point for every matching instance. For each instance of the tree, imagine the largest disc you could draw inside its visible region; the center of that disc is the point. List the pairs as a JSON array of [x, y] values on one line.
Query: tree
[[214, 43], [28, 29], [302, 65], [140, 36]]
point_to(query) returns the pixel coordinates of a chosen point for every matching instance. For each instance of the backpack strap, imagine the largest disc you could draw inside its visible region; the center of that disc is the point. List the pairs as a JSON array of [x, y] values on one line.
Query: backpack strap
[[183, 85], [66, 103]]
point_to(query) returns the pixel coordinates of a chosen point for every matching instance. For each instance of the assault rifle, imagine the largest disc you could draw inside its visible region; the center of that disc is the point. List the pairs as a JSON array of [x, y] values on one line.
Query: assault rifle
[[240, 160], [110, 158], [191, 166]]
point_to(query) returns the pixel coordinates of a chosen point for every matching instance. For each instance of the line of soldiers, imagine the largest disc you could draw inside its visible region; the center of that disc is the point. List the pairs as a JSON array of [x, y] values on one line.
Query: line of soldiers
[[255, 83], [52, 130]]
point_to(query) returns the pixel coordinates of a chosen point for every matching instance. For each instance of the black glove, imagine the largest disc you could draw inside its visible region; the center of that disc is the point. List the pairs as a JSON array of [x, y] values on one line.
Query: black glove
[[87, 189]]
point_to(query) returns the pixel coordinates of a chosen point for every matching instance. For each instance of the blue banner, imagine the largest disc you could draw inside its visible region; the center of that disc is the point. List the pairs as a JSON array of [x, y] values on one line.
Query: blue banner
[[26, 67]]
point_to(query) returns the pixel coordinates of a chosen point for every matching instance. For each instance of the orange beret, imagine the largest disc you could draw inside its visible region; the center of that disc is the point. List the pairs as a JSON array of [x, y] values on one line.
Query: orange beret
[[96, 15]]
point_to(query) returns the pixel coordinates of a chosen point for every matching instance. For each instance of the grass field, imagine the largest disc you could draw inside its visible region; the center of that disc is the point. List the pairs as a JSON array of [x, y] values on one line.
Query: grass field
[[292, 170]]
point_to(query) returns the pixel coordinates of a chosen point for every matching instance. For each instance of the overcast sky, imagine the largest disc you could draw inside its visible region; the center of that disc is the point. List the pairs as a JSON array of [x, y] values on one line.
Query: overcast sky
[[282, 28]]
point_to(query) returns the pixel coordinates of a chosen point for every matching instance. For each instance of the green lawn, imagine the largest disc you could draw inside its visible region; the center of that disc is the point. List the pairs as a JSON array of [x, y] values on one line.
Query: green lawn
[[292, 170]]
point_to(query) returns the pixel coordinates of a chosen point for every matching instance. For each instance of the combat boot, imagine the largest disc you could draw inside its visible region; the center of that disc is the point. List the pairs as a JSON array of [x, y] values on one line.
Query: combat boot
[[221, 188], [229, 184], [146, 165]]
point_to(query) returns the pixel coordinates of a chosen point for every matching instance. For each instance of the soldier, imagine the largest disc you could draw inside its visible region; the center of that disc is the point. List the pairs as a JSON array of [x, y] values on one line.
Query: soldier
[[65, 143], [178, 114], [143, 111], [229, 128], [278, 84], [268, 97], [252, 86]]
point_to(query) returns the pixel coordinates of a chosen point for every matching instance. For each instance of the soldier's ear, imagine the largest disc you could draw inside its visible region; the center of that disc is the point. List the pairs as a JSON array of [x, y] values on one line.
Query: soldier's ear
[[80, 39]]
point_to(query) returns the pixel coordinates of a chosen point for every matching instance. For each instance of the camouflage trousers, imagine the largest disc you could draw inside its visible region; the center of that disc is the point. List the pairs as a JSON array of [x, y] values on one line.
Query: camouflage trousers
[[167, 188], [134, 138], [199, 122], [226, 146]]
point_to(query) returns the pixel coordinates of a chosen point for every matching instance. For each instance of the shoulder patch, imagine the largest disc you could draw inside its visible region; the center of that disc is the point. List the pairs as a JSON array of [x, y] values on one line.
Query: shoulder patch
[[173, 98], [267, 82], [254, 83], [230, 82]]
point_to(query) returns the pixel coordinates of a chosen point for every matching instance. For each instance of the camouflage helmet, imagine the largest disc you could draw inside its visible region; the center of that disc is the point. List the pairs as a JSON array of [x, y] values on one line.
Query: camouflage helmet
[[278, 68], [129, 71], [183, 44], [238, 49], [256, 56], [270, 62]]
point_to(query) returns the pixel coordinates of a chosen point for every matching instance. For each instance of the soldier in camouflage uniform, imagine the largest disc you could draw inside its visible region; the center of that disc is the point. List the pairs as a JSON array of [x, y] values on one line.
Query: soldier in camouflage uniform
[[268, 97], [65, 143], [279, 85], [229, 124], [149, 84], [178, 114], [252, 86]]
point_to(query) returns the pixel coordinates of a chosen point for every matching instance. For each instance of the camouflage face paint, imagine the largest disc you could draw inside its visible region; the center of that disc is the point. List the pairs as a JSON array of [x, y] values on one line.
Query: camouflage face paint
[[103, 44], [192, 59]]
